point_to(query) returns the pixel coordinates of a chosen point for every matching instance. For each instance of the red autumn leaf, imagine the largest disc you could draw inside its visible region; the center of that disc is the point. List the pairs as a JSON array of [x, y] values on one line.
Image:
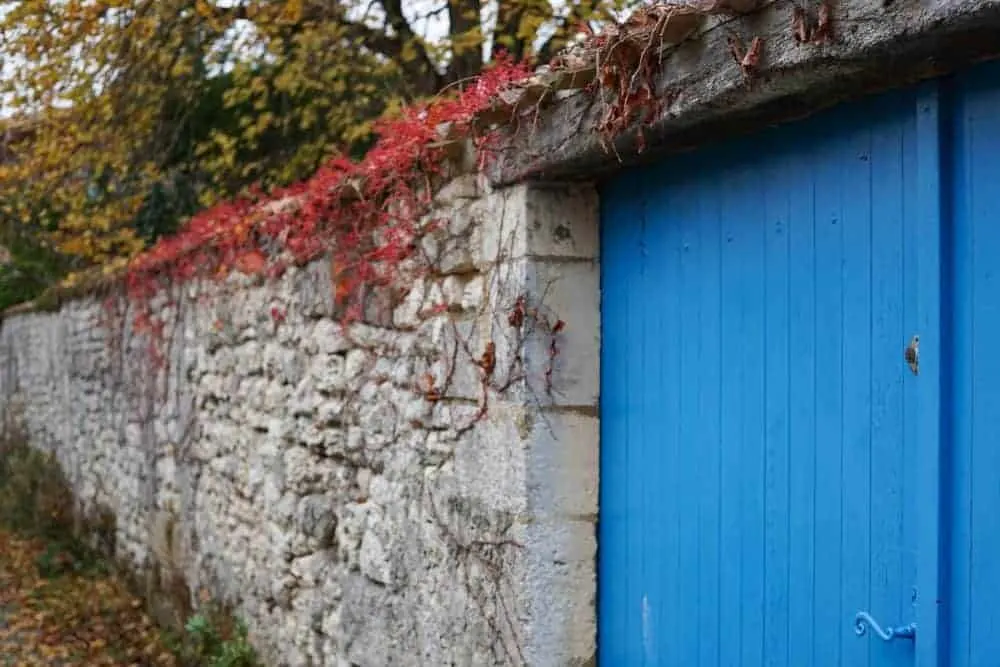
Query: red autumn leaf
[[251, 263]]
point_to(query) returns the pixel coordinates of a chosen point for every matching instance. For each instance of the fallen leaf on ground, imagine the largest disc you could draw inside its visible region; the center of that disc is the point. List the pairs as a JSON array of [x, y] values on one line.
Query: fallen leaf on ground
[[71, 618]]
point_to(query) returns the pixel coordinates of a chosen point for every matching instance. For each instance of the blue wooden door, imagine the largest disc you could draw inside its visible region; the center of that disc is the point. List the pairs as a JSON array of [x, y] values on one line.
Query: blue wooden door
[[760, 428]]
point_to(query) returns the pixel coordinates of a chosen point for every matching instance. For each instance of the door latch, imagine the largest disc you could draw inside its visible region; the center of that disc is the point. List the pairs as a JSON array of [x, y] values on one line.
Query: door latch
[[912, 355], [863, 620]]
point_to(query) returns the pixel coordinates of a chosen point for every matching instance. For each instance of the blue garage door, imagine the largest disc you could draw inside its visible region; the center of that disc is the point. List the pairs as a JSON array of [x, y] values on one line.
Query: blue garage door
[[761, 454], [775, 478]]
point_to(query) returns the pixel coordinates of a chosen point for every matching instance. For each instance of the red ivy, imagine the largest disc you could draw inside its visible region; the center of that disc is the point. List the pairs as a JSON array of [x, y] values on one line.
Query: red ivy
[[368, 234]]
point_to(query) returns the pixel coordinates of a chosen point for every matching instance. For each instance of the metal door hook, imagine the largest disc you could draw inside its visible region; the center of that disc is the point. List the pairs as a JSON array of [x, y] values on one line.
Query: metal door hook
[[863, 620]]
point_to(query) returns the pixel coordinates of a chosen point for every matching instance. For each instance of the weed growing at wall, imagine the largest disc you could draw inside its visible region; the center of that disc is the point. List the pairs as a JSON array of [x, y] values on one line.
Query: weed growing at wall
[[212, 638]]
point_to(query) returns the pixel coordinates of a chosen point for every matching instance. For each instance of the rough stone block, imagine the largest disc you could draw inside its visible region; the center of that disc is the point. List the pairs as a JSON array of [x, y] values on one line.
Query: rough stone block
[[545, 221], [563, 464], [502, 219], [490, 459], [568, 292], [560, 593], [462, 187], [562, 221]]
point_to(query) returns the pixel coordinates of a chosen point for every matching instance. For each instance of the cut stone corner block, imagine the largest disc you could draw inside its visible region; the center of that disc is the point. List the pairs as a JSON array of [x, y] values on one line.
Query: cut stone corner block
[[558, 221]]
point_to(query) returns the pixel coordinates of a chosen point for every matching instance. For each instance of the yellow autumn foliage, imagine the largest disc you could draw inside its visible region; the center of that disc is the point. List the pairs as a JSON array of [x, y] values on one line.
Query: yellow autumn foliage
[[104, 101]]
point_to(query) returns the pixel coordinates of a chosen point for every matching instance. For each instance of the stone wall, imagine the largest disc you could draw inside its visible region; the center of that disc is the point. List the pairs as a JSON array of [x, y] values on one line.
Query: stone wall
[[312, 477]]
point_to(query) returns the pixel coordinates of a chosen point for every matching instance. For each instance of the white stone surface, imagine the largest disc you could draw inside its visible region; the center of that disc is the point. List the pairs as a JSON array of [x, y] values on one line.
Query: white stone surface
[[305, 474]]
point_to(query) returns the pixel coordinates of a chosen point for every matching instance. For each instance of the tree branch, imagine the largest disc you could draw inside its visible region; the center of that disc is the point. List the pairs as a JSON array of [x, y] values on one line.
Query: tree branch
[[465, 22], [430, 79], [422, 72], [578, 13], [505, 36]]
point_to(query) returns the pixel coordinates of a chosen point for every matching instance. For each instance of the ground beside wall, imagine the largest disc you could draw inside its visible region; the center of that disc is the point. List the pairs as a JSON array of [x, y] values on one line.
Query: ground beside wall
[[356, 494]]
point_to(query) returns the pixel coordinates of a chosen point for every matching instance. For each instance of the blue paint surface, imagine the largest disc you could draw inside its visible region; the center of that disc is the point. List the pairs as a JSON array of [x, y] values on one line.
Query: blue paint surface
[[769, 465], [931, 256], [972, 360], [759, 456]]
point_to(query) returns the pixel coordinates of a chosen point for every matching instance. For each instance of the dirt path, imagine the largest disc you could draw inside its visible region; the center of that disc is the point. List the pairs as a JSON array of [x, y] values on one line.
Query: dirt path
[[75, 618]]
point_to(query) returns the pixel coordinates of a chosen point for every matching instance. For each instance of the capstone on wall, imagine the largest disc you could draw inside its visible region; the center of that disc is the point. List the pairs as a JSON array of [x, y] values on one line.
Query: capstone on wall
[[310, 476]]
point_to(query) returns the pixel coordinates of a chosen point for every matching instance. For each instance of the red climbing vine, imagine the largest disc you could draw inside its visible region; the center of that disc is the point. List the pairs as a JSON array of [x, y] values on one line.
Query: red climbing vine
[[368, 216]]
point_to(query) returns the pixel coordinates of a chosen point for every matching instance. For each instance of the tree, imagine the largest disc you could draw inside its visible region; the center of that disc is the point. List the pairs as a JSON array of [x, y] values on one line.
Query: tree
[[130, 114], [28, 265]]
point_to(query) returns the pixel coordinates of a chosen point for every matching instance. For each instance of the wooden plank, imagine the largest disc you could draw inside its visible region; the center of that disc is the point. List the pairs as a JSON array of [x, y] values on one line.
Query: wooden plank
[[777, 500], [892, 454], [930, 463], [618, 234], [857, 275], [831, 618], [804, 342], [711, 365]]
